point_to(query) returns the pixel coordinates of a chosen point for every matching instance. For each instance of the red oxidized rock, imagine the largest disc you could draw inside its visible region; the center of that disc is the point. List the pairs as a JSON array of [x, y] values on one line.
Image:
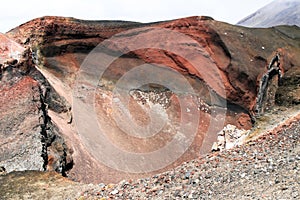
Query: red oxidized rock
[[229, 61]]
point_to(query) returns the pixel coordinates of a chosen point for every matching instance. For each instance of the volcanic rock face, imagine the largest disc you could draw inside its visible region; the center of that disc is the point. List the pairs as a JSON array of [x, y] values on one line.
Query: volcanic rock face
[[222, 63], [29, 140]]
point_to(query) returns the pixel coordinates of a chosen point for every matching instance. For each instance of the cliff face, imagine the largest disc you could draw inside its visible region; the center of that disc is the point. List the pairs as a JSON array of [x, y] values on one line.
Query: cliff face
[[241, 54], [29, 140], [221, 62]]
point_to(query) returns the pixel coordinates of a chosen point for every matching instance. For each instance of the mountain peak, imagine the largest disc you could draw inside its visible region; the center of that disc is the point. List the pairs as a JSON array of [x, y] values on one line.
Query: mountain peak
[[278, 12]]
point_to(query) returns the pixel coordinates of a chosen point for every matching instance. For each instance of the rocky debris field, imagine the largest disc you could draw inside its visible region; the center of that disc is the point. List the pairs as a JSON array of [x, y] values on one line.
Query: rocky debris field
[[267, 168]]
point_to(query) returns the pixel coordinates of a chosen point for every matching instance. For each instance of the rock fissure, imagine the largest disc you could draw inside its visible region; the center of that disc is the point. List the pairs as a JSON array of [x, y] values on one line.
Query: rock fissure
[[44, 126], [53, 144]]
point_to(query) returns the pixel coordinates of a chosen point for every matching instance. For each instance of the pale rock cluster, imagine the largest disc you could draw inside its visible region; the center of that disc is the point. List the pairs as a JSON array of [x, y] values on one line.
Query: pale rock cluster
[[152, 97], [229, 137]]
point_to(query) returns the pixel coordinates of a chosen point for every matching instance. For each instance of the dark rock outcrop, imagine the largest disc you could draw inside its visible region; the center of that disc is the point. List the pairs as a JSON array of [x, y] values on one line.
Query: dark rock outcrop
[[268, 86]]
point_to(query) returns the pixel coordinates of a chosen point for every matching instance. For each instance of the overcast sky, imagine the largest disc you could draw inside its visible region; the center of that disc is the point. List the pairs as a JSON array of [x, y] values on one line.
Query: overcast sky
[[16, 12]]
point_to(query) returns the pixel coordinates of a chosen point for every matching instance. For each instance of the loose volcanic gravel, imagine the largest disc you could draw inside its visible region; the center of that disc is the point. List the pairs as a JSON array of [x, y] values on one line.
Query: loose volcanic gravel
[[267, 168]]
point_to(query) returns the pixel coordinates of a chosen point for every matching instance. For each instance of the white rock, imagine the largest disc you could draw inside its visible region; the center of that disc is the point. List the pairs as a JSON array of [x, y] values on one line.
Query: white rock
[[229, 137], [114, 192], [215, 147]]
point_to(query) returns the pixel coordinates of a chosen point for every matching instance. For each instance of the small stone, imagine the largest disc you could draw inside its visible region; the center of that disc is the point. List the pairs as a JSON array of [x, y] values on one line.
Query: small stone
[[154, 189], [187, 175], [207, 176], [177, 193], [196, 181], [114, 192], [215, 147]]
